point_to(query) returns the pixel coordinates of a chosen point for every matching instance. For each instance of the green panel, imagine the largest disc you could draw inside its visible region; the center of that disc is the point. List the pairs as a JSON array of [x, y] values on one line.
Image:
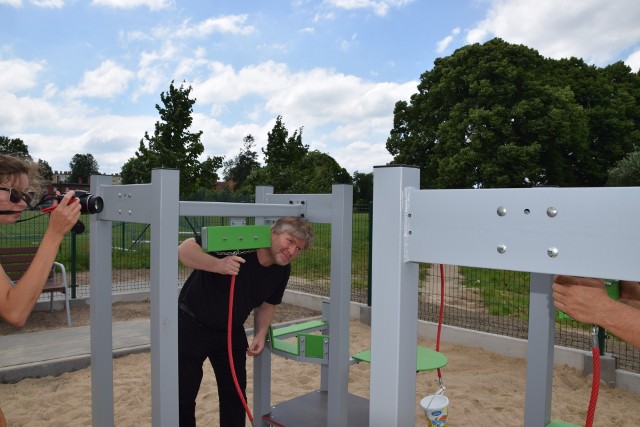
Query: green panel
[[313, 345], [299, 327], [235, 238]]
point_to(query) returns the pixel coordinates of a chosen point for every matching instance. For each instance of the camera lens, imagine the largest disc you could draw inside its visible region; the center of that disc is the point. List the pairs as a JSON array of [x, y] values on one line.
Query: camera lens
[[95, 204]]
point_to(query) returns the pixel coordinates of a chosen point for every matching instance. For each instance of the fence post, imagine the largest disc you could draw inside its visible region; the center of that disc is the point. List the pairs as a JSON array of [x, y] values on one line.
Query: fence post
[[73, 264], [370, 251]]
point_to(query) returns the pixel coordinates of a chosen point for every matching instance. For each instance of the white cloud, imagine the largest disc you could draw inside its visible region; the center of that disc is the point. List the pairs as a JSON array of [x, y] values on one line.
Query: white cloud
[[443, 44], [633, 61], [587, 29], [132, 4], [18, 74], [106, 81], [14, 3], [380, 8], [335, 109], [52, 4], [231, 24]]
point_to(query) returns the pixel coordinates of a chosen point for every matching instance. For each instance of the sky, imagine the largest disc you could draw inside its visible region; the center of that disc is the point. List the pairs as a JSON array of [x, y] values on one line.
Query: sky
[[84, 76]]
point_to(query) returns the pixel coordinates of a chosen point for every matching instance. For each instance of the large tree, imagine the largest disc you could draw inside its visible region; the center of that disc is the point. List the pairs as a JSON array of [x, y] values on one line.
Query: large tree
[[14, 147], [82, 167], [240, 167], [501, 115], [173, 145], [283, 158], [362, 187]]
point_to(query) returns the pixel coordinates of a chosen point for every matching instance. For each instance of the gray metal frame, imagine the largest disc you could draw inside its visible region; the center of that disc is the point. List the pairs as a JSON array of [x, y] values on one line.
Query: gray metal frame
[[157, 204], [578, 231]]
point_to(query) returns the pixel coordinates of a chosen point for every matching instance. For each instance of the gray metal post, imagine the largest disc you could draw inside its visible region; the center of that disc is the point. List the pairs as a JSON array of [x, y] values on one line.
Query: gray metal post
[[340, 297], [537, 405], [100, 314], [262, 363], [394, 303], [164, 296]]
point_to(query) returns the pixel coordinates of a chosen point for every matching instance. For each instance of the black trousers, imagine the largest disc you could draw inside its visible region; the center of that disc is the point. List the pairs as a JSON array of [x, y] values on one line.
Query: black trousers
[[196, 343]]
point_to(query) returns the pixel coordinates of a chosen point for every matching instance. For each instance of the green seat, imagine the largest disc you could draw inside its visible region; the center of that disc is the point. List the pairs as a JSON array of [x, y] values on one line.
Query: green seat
[[427, 359]]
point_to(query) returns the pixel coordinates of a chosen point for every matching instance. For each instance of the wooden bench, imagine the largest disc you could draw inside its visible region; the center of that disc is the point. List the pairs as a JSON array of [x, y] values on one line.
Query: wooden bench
[[17, 260]]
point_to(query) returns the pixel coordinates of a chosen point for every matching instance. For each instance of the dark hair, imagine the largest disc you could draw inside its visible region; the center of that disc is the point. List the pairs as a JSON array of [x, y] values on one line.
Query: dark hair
[[297, 227]]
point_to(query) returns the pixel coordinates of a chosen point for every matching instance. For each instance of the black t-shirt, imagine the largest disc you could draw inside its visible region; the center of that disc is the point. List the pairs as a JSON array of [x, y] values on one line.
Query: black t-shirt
[[207, 294]]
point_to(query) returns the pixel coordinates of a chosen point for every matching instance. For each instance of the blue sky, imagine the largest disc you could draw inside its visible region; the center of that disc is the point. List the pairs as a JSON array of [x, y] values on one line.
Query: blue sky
[[84, 76]]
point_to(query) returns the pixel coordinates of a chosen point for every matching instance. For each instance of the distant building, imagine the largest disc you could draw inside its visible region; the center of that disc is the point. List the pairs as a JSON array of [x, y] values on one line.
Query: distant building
[[60, 182]]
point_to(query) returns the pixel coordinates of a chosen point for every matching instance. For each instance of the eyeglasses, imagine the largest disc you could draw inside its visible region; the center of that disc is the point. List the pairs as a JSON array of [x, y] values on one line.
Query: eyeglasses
[[16, 196]]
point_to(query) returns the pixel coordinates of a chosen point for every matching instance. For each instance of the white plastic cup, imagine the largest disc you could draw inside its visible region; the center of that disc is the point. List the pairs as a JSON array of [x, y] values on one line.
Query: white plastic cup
[[435, 407]]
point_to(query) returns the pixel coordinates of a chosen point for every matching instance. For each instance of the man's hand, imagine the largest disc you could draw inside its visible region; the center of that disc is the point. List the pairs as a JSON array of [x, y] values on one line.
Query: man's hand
[[582, 298], [256, 347]]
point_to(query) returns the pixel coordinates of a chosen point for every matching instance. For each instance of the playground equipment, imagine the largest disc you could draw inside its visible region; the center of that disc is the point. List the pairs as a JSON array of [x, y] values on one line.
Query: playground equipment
[[157, 204], [576, 231]]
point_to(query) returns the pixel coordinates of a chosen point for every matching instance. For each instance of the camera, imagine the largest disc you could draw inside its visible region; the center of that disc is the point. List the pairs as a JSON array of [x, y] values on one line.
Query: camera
[[88, 202]]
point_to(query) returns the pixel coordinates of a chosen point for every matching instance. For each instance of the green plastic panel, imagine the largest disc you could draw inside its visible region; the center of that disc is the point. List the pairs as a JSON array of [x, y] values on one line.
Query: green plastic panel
[[559, 423], [235, 238], [426, 359]]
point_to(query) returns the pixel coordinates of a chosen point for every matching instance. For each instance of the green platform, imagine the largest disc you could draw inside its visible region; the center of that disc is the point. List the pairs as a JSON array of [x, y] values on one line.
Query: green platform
[[427, 359]]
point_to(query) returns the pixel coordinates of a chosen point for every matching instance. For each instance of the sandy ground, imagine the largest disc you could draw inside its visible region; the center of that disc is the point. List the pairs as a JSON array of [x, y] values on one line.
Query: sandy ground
[[485, 389]]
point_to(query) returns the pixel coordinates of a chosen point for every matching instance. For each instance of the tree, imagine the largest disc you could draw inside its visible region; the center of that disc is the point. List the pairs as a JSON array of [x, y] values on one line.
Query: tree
[[14, 147], [501, 115], [82, 167], [173, 145], [45, 170], [362, 187], [318, 172], [283, 157], [240, 167], [626, 173]]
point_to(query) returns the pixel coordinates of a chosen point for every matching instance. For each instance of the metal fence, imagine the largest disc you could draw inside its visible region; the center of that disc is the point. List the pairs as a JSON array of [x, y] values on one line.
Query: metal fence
[[477, 299]]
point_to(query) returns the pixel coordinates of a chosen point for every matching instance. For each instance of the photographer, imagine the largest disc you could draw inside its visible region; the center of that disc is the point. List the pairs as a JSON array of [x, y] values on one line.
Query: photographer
[[586, 300], [16, 177]]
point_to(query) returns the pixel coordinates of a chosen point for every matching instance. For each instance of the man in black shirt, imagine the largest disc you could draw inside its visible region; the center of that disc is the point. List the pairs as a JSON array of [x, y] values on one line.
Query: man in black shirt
[[261, 278]]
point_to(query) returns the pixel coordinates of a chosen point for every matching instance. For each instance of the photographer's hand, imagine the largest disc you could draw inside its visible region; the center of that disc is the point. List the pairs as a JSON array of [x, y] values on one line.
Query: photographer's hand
[[65, 215]]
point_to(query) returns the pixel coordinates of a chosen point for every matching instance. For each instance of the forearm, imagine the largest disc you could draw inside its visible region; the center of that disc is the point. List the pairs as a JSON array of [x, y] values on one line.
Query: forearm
[[191, 255], [19, 300], [622, 321], [263, 318]]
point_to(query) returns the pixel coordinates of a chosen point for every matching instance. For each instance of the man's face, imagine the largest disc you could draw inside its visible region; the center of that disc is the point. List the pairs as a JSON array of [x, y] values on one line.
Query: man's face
[[285, 248]]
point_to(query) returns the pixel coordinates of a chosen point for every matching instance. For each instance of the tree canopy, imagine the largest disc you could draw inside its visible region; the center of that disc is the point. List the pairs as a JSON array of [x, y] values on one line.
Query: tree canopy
[[626, 173], [82, 167], [14, 147], [240, 167], [291, 168], [501, 115], [173, 145]]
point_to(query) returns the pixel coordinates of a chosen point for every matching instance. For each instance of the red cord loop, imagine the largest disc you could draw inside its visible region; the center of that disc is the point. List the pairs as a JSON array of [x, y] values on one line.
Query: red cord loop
[[230, 351]]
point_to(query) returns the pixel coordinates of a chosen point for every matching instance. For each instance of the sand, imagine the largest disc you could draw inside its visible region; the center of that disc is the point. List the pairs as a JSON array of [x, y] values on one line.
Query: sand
[[485, 389]]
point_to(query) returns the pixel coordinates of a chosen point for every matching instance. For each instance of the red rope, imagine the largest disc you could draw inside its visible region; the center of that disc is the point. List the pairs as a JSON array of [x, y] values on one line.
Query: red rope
[[440, 315], [230, 351], [595, 387]]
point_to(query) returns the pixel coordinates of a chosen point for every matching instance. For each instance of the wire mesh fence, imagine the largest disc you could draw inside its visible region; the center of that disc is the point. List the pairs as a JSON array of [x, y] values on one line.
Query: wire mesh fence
[[477, 299]]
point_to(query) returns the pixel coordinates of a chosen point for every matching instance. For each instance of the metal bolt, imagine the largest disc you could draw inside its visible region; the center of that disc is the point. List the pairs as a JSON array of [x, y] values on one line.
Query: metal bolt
[[502, 249], [502, 211], [552, 212], [552, 252], [527, 211]]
